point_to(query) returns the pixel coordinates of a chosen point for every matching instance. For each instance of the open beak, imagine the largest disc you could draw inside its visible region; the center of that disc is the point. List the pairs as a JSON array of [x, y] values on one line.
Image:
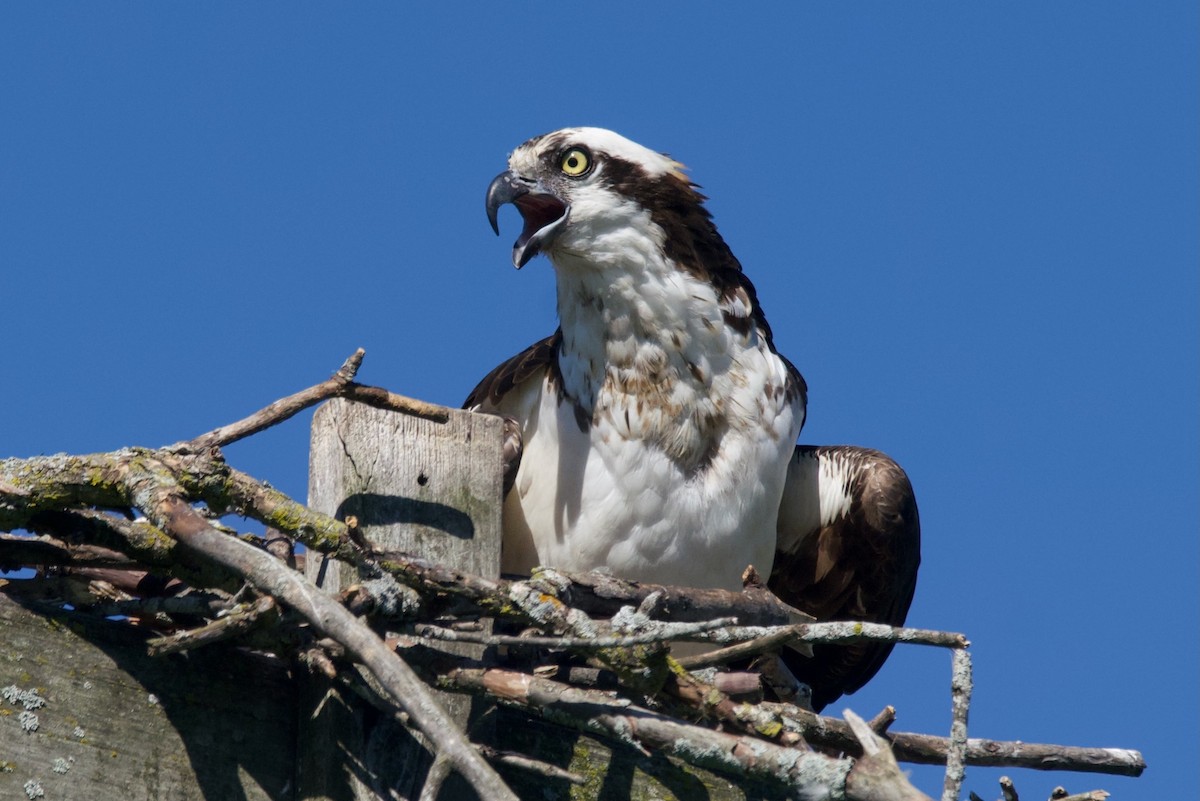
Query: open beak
[[544, 213]]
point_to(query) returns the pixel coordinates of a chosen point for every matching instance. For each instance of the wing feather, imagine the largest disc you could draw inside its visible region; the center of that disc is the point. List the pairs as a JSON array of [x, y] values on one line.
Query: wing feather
[[489, 394], [495, 395], [849, 547]]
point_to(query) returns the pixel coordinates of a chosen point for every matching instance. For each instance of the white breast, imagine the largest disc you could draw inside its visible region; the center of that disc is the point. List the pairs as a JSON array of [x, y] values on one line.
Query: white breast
[[607, 497]]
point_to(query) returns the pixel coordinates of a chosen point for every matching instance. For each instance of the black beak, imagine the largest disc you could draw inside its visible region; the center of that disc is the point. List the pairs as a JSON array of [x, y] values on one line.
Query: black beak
[[544, 213]]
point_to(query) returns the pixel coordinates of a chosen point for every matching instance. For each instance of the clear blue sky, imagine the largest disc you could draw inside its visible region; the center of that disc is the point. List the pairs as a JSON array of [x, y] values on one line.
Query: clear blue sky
[[972, 226]]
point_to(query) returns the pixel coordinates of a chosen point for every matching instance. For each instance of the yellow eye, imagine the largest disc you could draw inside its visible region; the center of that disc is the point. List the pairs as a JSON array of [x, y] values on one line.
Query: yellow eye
[[575, 162]]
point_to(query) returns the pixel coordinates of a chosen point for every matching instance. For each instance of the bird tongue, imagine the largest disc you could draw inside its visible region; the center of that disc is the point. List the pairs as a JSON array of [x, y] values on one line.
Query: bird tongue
[[538, 210]]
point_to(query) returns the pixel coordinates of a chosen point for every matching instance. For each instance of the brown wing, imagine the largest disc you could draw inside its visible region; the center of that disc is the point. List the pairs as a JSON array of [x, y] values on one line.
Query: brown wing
[[539, 356], [854, 559], [489, 395]]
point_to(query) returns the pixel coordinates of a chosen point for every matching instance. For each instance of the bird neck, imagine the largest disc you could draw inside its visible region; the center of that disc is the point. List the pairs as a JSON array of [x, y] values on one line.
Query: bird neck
[[625, 320], [652, 352]]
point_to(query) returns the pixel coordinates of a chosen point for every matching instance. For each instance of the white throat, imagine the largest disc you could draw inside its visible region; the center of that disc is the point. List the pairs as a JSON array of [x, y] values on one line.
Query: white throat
[[645, 345]]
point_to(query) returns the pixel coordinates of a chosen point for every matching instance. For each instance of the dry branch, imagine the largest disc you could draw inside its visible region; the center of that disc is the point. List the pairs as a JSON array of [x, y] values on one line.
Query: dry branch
[[961, 685], [595, 712], [927, 749], [233, 623]]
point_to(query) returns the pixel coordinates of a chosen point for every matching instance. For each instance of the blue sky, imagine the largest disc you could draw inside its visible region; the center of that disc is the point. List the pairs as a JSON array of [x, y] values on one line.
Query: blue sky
[[972, 227]]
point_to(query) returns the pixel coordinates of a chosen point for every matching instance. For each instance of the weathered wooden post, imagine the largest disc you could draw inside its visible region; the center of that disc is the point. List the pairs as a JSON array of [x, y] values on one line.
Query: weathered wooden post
[[431, 488], [87, 714]]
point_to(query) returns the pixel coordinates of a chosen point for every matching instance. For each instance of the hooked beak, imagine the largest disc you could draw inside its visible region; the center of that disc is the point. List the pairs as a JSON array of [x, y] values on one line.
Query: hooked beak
[[544, 213]]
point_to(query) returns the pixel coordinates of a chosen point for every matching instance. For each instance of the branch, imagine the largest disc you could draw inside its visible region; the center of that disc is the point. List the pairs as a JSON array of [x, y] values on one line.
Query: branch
[[529, 765], [876, 775], [548, 598], [237, 621], [340, 384], [594, 712], [927, 749], [280, 410], [661, 632], [839, 632], [1091, 795], [961, 685]]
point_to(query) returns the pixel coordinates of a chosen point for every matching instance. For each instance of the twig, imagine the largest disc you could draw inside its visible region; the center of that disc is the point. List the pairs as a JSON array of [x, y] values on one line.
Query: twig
[[439, 771], [876, 775], [382, 399], [1008, 789], [194, 604], [278, 411], [138, 539], [340, 384], [757, 640], [238, 621], [1091, 795], [529, 765], [843, 632], [960, 693], [21, 551], [246, 495], [660, 632], [595, 712], [743, 650], [883, 721], [928, 749]]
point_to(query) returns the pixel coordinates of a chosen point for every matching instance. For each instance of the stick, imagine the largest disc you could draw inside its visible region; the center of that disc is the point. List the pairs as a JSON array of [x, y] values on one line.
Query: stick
[[595, 712], [530, 765], [662, 632], [928, 749], [756, 640], [340, 384], [278, 411], [960, 692], [239, 620]]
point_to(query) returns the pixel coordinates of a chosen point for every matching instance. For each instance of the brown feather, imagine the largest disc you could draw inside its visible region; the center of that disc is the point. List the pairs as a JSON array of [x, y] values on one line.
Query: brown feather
[[862, 566], [515, 371]]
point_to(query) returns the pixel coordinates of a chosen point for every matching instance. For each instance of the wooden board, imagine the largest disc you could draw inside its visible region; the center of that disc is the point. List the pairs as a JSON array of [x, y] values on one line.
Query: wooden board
[[118, 725], [429, 488]]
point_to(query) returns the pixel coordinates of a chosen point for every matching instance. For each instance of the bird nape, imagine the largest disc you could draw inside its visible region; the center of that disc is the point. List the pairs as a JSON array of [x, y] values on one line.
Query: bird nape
[[659, 422]]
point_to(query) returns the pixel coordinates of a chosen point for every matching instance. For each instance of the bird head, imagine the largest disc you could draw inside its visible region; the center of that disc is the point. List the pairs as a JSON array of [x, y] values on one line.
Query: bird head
[[576, 186]]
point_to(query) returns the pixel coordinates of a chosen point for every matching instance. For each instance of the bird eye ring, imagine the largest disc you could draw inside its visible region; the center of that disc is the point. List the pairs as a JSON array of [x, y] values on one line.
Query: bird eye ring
[[575, 162]]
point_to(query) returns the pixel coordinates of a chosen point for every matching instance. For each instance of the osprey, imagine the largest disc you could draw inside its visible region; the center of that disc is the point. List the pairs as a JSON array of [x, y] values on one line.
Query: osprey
[[658, 423]]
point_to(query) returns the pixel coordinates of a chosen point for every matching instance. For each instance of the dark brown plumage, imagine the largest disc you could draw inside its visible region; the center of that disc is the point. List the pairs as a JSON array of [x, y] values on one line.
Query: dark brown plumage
[[862, 566]]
